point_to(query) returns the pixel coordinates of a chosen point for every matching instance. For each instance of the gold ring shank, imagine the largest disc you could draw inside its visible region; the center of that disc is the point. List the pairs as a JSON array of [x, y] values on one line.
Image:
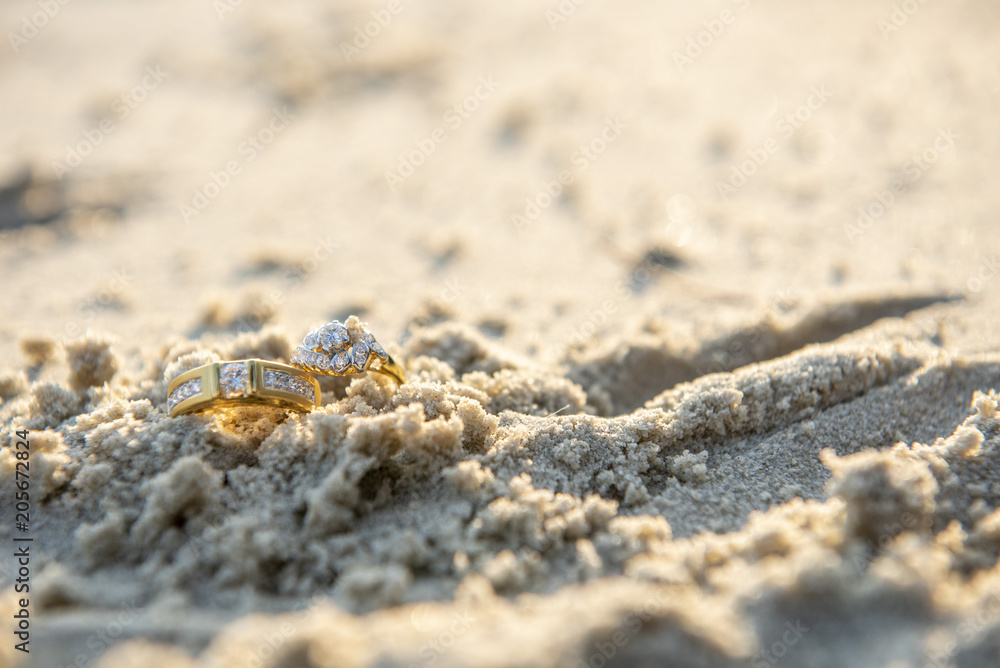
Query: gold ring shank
[[392, 369], [241, 383]]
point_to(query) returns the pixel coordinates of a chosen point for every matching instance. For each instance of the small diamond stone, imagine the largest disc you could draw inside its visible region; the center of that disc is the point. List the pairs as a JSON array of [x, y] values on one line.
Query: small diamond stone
[[279, 380], [374, 346], [298, 356], [359, 356], [185, 390], [311, 339], [233, 380], [308, 358], [378, 350], [340, 362]]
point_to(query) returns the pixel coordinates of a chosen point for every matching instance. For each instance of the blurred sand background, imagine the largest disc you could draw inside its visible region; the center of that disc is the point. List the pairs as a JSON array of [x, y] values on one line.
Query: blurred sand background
[[740, 181]]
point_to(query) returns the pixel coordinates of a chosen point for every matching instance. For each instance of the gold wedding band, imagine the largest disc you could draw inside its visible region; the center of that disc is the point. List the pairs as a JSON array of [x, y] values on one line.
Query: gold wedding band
[[240, 383], [344, 349]]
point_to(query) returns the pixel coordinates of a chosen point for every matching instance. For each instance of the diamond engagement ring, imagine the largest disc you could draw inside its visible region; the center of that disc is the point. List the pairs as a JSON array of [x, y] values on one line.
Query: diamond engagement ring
[[344, 349], [242, 382]]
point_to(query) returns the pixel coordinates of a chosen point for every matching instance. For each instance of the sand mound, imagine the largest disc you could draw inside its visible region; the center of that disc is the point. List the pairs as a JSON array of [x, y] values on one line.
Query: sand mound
[[713, 521]]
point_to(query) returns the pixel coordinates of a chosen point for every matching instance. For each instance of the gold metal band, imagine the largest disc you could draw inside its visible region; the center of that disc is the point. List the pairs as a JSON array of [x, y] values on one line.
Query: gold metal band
[[242, 382], [392, 369]]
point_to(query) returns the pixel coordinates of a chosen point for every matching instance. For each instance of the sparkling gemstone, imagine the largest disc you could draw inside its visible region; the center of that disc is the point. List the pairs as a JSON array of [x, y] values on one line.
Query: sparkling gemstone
[[233, 380], [374, 346], [321, 362], [311, 340], [334, 336], [185, 390], [304, 357], [340, 362], [359, 356], [285, 382], [274, 378], [378, 350]]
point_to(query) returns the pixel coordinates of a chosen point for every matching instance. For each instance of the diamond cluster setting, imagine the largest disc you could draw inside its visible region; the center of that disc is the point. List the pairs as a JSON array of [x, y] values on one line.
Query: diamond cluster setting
[[185, 390], [339, 349], [234, 381], [279, 380]]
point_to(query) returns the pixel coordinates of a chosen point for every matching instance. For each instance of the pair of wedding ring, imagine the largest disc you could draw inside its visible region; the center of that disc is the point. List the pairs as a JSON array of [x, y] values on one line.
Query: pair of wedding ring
[[335, 349]]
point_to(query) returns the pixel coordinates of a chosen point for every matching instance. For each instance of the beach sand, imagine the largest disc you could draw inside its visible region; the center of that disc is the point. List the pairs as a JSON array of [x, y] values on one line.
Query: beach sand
[[698, 305]]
